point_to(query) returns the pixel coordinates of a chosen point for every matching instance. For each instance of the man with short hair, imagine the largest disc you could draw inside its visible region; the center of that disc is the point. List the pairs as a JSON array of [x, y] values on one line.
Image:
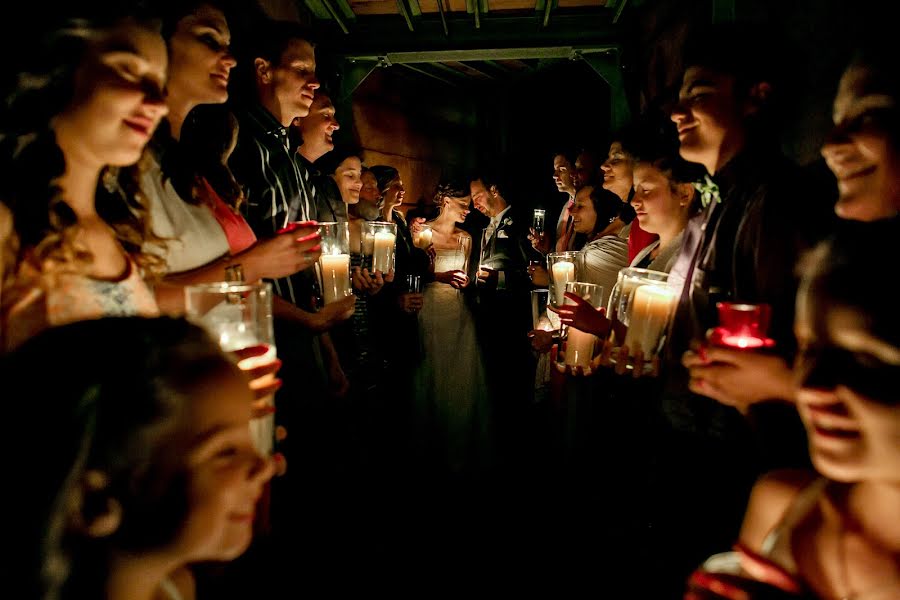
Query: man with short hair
[[315, 133], [742, 247], [280, 85], [503, 311]]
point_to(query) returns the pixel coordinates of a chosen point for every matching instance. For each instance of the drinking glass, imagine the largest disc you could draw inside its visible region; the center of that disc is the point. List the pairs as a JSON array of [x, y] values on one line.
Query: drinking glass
[[539, 313], [538, 222], [414, 284], [238, 316]]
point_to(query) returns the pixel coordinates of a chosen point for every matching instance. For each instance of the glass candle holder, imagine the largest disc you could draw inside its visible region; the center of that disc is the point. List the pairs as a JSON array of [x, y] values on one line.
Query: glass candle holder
[[334, 263], [742, 325], [539, 318], [562, 269], [379, 240], [579, 345]]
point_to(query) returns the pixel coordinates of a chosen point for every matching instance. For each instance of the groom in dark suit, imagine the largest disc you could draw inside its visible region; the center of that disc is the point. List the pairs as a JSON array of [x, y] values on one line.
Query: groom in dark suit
[[503, 312]]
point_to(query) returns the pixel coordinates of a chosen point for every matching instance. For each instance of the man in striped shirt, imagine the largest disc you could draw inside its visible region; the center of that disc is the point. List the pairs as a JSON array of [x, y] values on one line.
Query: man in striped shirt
[[279, 85]]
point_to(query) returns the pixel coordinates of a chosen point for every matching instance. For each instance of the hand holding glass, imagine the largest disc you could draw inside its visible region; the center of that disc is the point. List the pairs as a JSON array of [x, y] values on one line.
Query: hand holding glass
[[239, 316]]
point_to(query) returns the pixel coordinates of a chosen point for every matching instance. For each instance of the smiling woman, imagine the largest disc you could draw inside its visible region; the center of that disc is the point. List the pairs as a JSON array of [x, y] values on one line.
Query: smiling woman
[[836, 533], [88, 98]]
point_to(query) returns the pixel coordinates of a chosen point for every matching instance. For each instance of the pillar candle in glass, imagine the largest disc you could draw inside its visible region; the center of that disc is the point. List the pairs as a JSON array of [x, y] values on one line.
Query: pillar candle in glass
[[334, 263], [623, 292], [651, 308], [562, 270], [379, 240], [579, 345], [422, 238]]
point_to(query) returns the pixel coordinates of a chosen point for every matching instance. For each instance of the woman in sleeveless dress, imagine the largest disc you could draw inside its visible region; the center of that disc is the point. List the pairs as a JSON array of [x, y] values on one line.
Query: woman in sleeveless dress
[[452, 406]]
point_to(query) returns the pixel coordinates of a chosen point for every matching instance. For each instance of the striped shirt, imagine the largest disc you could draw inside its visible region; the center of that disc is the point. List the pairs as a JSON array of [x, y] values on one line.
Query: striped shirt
[[278, 189]]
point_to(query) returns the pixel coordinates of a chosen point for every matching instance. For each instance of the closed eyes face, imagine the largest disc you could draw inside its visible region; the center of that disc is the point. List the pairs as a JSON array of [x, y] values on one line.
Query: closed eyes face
[[369, 191], [861, 151], [118, 98], [458, 207], [848, 397], [617, 171], [656, 205], [584, 217], [201, 62], [349, 180]]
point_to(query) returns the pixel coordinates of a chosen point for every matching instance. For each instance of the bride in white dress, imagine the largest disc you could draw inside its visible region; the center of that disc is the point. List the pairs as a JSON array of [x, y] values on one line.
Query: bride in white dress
[[452, 402]]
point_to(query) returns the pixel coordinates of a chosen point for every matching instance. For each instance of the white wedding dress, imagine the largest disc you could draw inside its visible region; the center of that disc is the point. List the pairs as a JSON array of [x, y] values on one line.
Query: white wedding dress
[[452, 407]]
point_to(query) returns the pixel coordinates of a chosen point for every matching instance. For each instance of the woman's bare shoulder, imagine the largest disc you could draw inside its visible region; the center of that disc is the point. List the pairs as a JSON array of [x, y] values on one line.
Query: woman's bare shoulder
[[770, 499]]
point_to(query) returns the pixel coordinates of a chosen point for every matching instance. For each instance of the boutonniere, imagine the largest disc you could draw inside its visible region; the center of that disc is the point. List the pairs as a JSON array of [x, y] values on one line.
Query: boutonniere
[[709, 191], [506, 221]]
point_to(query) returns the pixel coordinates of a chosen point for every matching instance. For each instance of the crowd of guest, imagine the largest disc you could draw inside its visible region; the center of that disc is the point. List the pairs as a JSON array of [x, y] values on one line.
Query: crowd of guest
[[145, 152]]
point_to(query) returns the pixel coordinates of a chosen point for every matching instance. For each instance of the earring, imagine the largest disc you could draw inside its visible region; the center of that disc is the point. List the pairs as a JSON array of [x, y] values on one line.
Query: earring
[[110, 179]]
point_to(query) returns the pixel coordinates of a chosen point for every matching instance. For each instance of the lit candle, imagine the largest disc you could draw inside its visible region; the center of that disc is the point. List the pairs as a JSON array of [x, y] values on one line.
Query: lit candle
[[742, 341], [579, 348], [335, 276], [652, 308], [423, 239], [383, 252], [563, 273]]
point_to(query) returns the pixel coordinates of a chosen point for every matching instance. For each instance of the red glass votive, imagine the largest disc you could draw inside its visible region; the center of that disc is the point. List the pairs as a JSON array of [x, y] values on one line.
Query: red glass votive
[[742, 325]]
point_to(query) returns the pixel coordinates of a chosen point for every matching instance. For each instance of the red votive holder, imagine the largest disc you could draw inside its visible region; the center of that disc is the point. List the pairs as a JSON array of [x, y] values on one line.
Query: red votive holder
[[742, 326]]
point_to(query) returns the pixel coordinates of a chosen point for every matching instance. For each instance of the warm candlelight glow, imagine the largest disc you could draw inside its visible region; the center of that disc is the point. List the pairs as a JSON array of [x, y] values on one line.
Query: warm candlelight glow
[[383, 252], [579, 347], [651, 310], [423, 238], [563, 273], [335, 277]]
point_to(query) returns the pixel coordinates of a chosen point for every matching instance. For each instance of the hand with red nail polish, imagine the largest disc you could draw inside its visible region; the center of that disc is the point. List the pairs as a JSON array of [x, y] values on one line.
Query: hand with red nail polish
[[292, 250]]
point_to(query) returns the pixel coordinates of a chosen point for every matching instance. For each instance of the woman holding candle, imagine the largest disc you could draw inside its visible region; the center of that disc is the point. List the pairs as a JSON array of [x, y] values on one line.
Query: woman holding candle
[[835, 533], [149, 464], [187, 210], [72, 220], [451, 396]]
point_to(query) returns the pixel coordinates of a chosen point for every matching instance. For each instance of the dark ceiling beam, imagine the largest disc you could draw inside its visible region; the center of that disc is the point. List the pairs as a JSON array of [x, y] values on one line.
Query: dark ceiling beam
[[336, 16], [405, 11], [548, 8], [469, 69], [619, 8], [377, 35], [428, 73], [429, 56], [453, 73], [440, 5]]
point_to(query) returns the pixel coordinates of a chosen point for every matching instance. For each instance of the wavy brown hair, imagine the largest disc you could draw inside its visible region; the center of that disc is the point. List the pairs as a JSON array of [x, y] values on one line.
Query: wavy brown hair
[[31, 162]]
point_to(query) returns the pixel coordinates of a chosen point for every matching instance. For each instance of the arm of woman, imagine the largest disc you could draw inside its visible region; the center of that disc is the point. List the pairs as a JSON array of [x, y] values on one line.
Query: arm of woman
[[279, 256]]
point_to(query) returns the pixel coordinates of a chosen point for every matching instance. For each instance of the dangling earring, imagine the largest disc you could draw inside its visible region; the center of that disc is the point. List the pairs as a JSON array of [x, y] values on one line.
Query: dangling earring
[[110, 179]]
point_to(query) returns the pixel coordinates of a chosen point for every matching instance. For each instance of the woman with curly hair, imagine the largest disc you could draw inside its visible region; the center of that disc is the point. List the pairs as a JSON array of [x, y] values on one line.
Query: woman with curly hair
[[87, 98]]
